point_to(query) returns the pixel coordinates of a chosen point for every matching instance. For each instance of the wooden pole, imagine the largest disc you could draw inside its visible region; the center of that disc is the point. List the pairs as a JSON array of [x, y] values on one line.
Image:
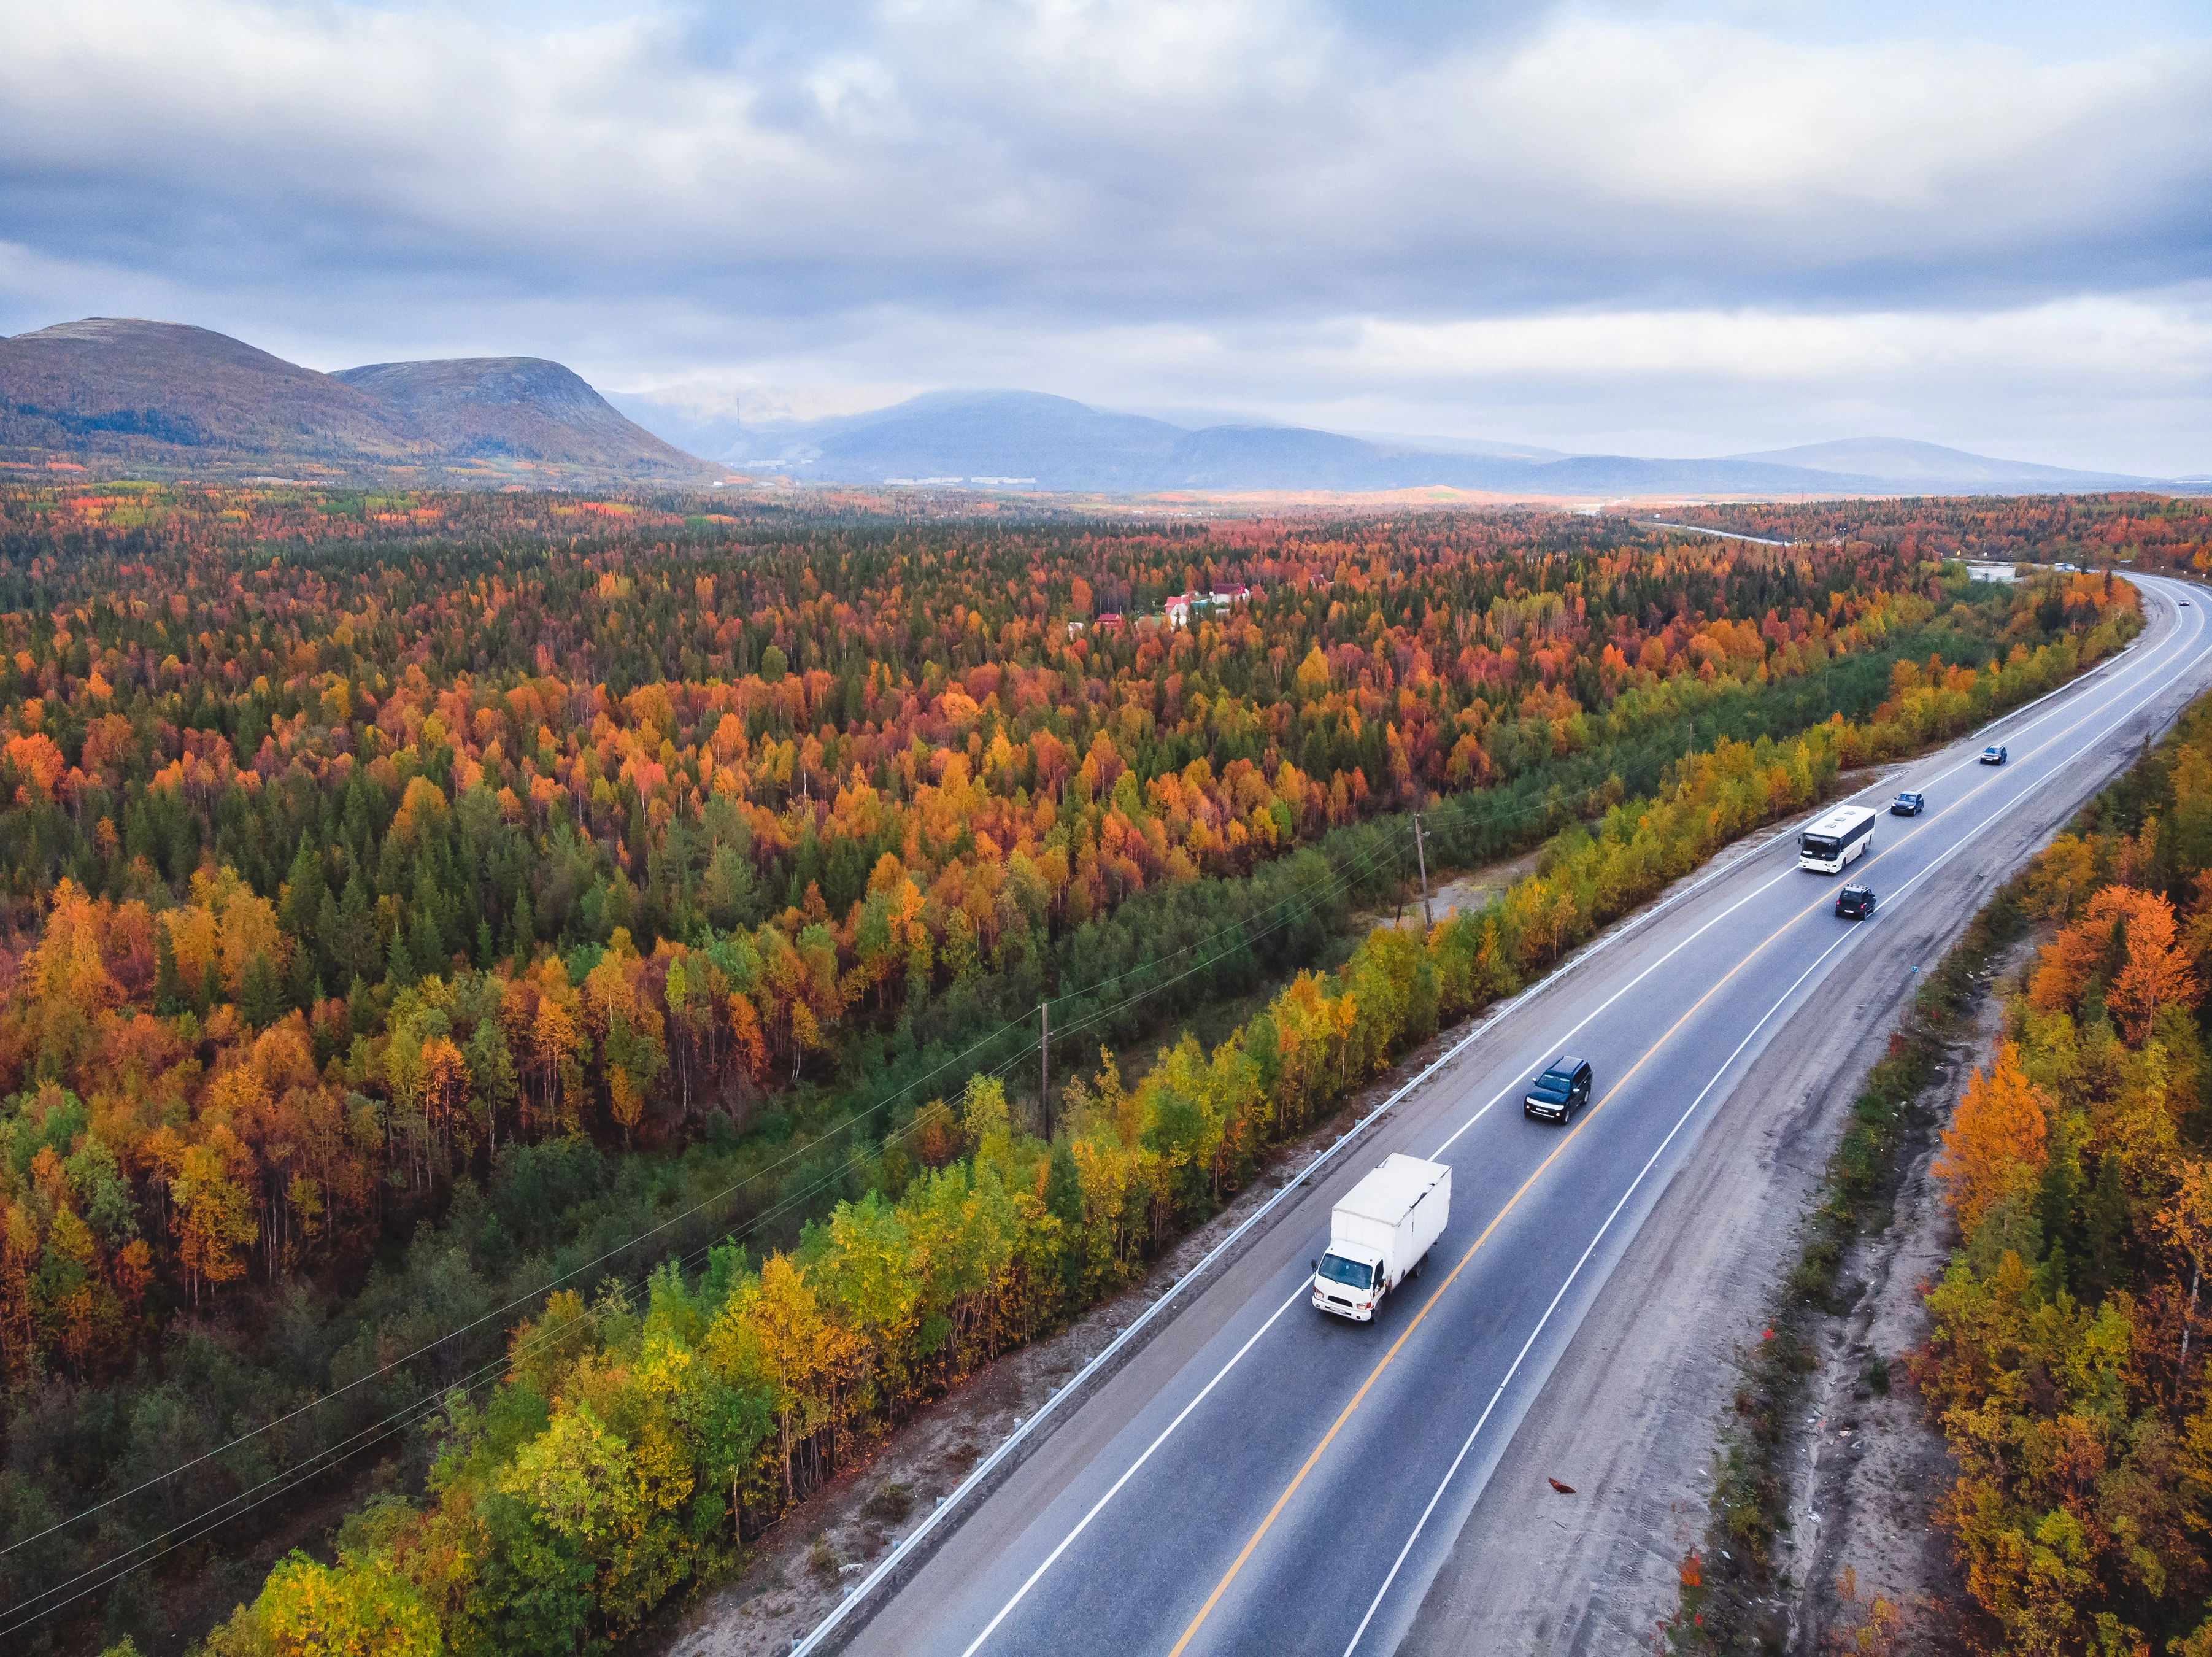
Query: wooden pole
[[1044, 1065], [1428, 913]]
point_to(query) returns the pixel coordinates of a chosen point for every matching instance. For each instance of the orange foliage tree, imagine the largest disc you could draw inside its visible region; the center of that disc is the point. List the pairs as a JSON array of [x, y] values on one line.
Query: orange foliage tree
[[1995, 1144]]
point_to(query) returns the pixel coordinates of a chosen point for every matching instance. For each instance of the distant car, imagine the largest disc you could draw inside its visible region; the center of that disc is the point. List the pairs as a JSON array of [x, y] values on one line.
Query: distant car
[[1995, 754], [1908, 805], [1563, 1086], [1855, 903]]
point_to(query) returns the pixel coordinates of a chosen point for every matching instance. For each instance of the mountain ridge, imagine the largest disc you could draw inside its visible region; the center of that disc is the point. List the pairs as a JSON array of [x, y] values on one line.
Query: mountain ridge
[[526, 407], [173, 395], [987, 436]]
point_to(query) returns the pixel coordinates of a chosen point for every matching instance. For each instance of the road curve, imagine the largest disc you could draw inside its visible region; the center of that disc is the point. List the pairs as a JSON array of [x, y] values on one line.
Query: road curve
[[1259, 1477]]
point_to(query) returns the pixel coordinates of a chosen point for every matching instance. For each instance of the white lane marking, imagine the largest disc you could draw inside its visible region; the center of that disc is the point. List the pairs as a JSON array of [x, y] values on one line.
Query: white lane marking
[[1598, 1235], [1721, 866], [1595, 1238], [1297, 1294]]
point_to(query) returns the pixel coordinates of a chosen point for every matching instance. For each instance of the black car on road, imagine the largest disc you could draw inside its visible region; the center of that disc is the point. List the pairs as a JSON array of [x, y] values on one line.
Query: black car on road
[[1908, 805], [1995, 754], [1855, 903], [1563, 1088]]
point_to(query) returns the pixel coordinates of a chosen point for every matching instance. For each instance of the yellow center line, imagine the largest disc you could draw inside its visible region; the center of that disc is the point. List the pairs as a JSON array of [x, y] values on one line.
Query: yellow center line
[[1496, 1220], [1344, 1415]]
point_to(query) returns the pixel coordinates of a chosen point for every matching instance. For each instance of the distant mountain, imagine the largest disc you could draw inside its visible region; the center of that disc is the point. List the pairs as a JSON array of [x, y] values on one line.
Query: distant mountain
[[1282, 457], [1028, 439], [1431, 445], [112, 384], [523, 407], [1056, 443], [1902, 460], [168, 396]]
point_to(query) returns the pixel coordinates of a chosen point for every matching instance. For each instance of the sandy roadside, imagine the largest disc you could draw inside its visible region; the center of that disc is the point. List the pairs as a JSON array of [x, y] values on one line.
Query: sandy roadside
[[1871, 1470]]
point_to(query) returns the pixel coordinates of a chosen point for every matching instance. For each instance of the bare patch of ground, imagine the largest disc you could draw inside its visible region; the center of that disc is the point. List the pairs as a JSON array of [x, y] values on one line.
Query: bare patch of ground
[[1466, 892], [1871, 1470]]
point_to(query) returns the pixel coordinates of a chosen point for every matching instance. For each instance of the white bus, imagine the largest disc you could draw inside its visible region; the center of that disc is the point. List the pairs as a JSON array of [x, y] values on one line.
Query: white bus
[[1832, 840]]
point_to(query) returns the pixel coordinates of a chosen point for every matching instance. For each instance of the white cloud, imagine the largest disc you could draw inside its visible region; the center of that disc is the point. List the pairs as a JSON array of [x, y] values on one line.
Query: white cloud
[[1596, 218], [2167, 345], [2119, 383], [1048, 144]]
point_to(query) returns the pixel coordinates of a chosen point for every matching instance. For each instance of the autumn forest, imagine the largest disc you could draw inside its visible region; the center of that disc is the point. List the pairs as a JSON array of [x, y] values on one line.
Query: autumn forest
[[519, 1022]]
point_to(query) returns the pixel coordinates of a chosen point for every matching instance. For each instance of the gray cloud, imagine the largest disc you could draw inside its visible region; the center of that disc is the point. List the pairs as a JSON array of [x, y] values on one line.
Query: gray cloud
[[1724, 224]]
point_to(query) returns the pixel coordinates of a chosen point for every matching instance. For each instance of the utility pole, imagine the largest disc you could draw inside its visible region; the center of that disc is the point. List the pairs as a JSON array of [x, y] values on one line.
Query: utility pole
[[1044, 1065], [1428, 913]]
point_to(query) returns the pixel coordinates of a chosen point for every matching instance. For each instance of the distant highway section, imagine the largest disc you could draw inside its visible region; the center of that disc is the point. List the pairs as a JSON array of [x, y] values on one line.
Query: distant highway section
[[1702, 529]]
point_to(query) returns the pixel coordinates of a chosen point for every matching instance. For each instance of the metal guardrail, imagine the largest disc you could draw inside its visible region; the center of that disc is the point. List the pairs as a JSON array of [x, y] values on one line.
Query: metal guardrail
[[902, 1551]]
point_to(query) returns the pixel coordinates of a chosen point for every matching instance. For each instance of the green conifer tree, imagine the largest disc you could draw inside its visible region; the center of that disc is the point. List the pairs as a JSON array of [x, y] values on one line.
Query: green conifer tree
[[261, 992], [171, 997], [399, 961]]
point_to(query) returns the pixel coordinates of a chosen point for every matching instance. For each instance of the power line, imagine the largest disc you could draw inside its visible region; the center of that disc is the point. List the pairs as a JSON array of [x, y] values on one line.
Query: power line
[[1340, 882], [1099, 1015], [420, 1408], [1354, 867], [500, 1311]]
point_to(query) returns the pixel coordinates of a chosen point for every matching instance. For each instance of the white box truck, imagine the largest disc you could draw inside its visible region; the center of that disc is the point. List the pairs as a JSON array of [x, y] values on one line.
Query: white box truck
[[1378, 1233]]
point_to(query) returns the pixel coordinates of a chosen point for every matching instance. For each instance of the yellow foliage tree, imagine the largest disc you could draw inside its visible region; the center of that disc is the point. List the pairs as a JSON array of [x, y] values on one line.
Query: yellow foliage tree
[[212, 1213], [774, 1331], [362, 1609]]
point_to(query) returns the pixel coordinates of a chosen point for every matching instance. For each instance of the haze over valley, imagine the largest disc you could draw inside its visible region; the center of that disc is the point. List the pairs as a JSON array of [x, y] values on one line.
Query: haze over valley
[[120, 392]]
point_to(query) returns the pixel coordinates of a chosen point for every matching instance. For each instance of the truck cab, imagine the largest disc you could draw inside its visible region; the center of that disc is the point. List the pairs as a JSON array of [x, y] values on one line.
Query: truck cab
[[1347, 1282]]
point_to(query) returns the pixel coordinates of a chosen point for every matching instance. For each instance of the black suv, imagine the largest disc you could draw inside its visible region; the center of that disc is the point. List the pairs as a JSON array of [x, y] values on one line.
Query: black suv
[[1855, 903], [1563, 1087]]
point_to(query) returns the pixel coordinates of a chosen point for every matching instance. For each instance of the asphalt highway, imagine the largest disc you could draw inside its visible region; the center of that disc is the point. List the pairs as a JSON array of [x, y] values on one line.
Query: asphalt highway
[[1263, 1477]]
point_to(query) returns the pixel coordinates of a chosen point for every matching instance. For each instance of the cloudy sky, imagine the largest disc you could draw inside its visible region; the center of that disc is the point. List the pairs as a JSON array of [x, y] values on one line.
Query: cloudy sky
[[1661, 227]]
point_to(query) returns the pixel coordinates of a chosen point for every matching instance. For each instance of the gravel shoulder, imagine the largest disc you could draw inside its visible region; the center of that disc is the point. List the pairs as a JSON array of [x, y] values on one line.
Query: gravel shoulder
[[1628, 1420], [1871, 1470], [1630, 1416], [1635, 1416], [798, 1571]]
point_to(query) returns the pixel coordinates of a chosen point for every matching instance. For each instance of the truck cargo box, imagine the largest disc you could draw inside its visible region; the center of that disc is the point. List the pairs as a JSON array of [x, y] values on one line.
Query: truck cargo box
[[1379, 1233]]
